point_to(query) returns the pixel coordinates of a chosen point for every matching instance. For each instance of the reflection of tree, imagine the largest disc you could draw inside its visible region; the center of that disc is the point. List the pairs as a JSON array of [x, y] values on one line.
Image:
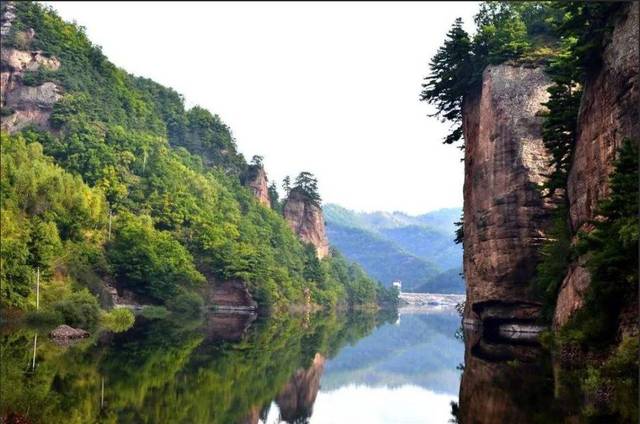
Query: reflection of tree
[[161, 371]]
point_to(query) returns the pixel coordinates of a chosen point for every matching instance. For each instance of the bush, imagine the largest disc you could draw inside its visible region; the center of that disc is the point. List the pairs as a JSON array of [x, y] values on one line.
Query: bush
[[118, 320], [79, 310]]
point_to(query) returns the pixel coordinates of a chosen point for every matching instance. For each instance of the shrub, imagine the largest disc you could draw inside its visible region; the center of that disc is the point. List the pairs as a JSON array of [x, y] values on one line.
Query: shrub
[[118, 320], [186, 303], [80, 309]]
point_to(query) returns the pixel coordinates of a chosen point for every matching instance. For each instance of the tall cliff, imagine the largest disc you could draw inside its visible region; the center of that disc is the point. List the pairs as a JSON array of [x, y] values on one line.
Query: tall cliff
[[505, 214], [608, 114], [306, 220], [256, 179]]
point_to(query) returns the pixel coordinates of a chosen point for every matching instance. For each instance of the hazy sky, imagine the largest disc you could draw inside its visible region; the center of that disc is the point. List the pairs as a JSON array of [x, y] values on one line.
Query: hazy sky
[[330, 88]]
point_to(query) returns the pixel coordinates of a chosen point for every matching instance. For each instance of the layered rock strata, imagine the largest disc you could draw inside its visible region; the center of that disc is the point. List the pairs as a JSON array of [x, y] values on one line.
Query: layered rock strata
[[505, 213]]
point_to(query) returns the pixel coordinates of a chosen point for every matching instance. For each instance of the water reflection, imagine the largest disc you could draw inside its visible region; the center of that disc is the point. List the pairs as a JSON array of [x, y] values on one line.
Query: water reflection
[[222, 370], [403, 372]]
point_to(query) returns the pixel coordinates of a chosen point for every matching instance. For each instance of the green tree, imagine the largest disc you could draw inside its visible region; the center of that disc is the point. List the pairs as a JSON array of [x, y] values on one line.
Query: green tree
[[307, 184], [448, 81], [150, 262], [274, 198]]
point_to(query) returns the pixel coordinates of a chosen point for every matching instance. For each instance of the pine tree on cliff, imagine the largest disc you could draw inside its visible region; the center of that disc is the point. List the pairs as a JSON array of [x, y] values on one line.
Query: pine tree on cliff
[[274, 198], [257, 161], [448, 81], [286, 185], [307, 183]]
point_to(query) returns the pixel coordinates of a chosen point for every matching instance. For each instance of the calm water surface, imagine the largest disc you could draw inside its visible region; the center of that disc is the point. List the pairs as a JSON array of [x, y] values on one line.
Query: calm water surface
[[358, 368]]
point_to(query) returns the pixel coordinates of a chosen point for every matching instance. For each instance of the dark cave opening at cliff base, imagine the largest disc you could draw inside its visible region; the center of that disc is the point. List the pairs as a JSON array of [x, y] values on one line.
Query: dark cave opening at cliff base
[[512, 323]]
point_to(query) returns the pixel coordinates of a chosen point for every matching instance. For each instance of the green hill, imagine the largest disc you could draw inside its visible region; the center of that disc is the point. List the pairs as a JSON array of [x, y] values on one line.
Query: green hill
[[417, 250], [124, 184]]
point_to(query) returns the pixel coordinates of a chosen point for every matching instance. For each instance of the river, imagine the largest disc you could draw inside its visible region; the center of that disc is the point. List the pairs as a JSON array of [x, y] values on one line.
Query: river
[[356, 368]]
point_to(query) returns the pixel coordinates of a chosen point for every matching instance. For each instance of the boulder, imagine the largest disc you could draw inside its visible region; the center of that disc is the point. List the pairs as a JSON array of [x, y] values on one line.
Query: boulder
[[65, 332]]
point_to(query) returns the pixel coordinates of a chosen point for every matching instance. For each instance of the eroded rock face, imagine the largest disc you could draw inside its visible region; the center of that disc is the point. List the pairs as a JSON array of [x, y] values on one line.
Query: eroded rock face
[[296, 399], [28, 104], [306, 220], [505, 215], [608, 114], [256, 179], [231, 296]]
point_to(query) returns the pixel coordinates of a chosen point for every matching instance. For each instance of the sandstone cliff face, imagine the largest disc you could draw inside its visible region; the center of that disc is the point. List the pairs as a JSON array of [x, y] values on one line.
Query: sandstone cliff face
[[28, 104], [307, 221], [256, 179], [296, 399], [230, 296], [608, 114], [505, 215]]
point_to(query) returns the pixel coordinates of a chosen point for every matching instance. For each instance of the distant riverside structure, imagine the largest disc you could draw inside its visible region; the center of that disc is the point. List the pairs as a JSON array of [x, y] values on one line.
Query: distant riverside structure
[[397, 284]]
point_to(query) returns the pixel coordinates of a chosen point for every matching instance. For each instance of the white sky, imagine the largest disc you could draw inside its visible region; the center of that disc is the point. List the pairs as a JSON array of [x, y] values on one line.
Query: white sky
[[330, 88]]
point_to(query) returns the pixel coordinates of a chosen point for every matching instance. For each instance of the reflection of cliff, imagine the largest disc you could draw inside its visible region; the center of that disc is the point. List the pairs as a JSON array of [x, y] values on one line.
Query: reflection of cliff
[[298, 395], [504, 383]]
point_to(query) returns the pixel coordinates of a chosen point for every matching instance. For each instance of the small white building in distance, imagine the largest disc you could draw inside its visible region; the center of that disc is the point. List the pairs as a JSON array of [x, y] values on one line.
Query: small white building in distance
[[397, 284]]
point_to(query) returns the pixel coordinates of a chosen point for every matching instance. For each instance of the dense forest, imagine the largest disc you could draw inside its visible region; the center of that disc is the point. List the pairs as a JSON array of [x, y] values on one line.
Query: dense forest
[[566, 38], [127, 186]]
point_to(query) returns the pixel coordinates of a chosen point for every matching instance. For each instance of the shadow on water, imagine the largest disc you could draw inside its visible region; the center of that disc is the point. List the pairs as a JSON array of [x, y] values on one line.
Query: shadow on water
[[223, 369]]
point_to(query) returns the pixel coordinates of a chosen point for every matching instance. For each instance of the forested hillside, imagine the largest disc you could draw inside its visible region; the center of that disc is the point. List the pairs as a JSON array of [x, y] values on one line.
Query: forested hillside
[[417, 250], [124, 185]]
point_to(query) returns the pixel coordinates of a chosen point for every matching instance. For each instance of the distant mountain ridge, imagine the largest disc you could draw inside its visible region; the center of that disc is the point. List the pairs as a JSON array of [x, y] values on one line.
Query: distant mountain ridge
[[417, 250]]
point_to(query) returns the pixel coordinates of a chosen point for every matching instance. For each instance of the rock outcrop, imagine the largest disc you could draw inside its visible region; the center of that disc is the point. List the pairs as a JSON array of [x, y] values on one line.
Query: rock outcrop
[[23, 104], [65, 333], [296, 399], [256, 179], [608, 114], [231, 296], [505, 214], [306, 220]]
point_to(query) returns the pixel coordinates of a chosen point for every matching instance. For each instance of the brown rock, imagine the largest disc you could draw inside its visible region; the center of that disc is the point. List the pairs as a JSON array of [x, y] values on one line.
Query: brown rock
[[21, 60], [65, 332], [570, 296], [306, 220], [505, 215], [608, 114], [30, 105], [256, 179], [231, 295]]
